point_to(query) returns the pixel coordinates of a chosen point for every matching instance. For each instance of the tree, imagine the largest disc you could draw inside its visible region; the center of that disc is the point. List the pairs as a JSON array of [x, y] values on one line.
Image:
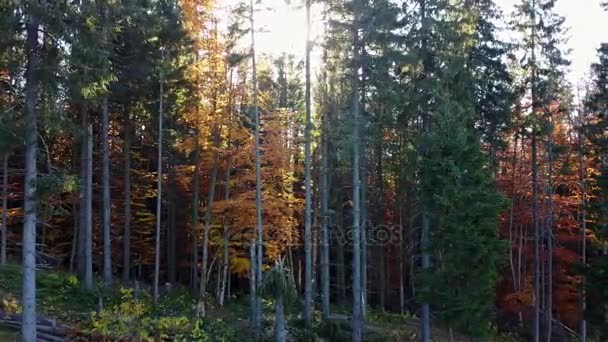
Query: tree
[[258, 172], [159, 183], [465, 208], [357, 319], [277, 284], [105, 169], [541, 31], [308, 301], [28, 325]]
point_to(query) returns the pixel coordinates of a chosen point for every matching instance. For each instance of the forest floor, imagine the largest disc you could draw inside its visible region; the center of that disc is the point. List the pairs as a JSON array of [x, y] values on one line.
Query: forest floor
[[98, 313]]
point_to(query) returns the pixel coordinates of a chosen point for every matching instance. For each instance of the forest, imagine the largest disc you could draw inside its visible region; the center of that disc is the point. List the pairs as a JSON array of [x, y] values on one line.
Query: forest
[[424, 170]]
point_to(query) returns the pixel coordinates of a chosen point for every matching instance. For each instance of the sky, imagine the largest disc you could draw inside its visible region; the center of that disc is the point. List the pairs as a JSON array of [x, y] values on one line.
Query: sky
[[284, 29], [588, 28]]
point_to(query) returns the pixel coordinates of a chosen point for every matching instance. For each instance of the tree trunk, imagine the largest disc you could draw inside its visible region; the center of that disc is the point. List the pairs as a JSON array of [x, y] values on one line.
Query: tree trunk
[[356, 225], [536, 317], [325, 276], [105, 180], [583, 223], [4, 207], [225, 242], [308, 305], [171, 227], [105, 170], [258, 172], [28, 327], [81, 259], [195, 209], [425, 324], [88, 214], [252, 288], [549, 240], [280, 333], [159, 189], [363, 228], [210, 197], [126, 261]]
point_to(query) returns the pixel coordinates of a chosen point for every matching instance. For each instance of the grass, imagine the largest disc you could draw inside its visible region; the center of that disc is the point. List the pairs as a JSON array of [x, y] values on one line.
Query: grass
[[58, 294]]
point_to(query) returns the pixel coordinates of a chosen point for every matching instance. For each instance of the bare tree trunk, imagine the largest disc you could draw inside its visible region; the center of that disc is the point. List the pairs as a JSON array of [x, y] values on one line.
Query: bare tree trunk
[[258, 174], [425, 326], [308, 305], [28, 327], [126, 261], [583, 223], [105, 170], [171, 227], [356, 226], [536, 317], [281, 333], [549, 238], [325, 276], [81, 259], [159, 189], [88, 214], [363, 228], [105, 180], [253, 287], [4, 207], [225, 242], [210, 197], [195, 209]]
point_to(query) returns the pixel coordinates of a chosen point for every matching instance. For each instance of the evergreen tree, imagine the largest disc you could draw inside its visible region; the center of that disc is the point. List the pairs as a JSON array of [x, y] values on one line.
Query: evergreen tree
[[464, 239], [596, 131]]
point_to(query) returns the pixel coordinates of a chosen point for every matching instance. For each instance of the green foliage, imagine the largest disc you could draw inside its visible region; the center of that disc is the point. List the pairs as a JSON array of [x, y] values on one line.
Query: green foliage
[[277, 282], [59, 294], [459, 190], [130, 316]]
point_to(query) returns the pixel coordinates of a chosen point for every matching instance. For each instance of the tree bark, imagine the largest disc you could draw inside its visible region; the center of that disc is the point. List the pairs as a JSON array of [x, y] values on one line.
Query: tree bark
[[308, 305], [81, 259], [126, 261], [549, 240], [280, 333], [210, 197], [28, 327], [195, 208], [159, 188], [258, 172], [105, 169], [583, 223], [356, 226], [105, 180], [171, 226], [325, 276], [425, 324], [88, 214]]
